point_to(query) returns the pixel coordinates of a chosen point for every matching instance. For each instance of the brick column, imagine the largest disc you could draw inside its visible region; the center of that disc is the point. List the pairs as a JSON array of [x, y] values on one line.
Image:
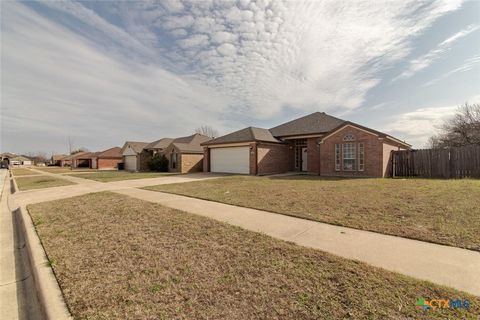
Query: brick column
[[253, 158], [206, 159]]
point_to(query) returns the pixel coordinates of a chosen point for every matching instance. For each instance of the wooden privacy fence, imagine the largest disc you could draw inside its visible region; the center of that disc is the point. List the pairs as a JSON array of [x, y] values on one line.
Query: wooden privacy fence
[[458, 162]]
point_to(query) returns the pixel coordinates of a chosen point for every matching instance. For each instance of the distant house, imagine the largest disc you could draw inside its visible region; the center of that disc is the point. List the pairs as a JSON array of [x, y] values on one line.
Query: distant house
[[20, 161], [317, 143], [84, 160], [184, 154], [134, 156], [158, 146], [109, 159], [56, 159]]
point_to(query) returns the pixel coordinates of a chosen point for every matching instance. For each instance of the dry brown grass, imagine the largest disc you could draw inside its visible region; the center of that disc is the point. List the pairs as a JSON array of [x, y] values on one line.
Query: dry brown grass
[[440, 211], [121, 258], [65, 169], [40, 182], [109, 176], [23, 172]]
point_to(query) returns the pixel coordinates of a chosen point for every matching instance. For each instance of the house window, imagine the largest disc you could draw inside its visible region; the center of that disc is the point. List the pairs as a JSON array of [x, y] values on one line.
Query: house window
[[173, 160], [337, 157], [361, 157], [349, 137], [349, 156]]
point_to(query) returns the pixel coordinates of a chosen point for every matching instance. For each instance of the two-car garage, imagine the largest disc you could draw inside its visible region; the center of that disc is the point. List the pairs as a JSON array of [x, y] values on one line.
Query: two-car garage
[[230, 160]]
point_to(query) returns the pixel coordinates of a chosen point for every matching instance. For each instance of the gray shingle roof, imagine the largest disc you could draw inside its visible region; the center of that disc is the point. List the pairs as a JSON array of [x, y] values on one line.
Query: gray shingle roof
[[318, 122], [191, 143], [245, 135], [135, 145], [159, 144]]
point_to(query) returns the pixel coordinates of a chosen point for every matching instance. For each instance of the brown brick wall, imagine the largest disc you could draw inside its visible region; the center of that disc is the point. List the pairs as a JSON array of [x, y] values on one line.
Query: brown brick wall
[[253, 158], [108, 163], [206, 159], [313, 156], [191, 162], [272, 158], [373, 154]]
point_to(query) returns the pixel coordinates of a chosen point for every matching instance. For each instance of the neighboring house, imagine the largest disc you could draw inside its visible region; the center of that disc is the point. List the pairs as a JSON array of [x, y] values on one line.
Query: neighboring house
[[109, 159], [84, 159], [185, 154], [134, 156], [20, 161], [56, 159], [159, 146], [317, 143], [67, 161]]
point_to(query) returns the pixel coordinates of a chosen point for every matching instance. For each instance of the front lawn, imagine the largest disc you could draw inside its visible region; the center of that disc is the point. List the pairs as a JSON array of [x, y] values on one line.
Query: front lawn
[[116, 257], [42, 181], [65, 169], [23, 172], [109, 176], [441, 211]]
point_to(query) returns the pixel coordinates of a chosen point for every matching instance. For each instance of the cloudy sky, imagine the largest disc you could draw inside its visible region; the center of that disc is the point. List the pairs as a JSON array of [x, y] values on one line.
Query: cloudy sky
[[105, 72]]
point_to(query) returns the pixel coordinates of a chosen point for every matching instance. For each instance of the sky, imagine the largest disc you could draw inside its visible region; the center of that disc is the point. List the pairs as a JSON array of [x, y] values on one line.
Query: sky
[[101, 73]]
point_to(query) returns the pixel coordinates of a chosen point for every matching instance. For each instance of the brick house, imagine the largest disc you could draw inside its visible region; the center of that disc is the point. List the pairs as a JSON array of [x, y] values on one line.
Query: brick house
[[317, 144], [135, 157], [184, 154], [109, 159]]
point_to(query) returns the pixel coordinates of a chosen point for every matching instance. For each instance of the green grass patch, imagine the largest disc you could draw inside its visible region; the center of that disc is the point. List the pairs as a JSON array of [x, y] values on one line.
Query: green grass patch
[[440, 211]]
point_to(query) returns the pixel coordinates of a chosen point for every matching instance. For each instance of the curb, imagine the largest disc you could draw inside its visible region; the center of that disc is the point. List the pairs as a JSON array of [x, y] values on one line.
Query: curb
[[48, 291], [13, 184]]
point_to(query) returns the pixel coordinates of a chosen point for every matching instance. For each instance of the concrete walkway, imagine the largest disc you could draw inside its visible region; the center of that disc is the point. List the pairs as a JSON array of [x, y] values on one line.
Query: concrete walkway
[[17, 294], [453, 267], [84, 186]]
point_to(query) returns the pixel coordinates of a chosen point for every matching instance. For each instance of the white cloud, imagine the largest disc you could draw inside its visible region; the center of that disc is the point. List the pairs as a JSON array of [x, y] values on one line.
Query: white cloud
[[227, 49], [309, 55], [468, 65], [58, 84], [237, 60], [427, 59], [419, 125]]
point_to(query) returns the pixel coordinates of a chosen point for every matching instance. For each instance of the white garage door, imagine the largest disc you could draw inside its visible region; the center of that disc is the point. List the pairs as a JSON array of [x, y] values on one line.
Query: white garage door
[[131, 163], [232, 160]]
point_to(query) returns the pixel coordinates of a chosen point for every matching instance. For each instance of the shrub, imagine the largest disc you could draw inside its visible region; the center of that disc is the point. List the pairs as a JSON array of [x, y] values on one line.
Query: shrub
[[158, 163]]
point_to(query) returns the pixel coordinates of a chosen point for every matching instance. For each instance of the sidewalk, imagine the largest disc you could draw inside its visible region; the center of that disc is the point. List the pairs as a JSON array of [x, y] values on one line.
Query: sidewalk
[[17, 294], [450, 266], [84, 186]]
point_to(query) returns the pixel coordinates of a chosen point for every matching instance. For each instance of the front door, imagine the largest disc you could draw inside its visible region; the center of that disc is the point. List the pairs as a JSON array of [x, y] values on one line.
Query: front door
[[304, 159]]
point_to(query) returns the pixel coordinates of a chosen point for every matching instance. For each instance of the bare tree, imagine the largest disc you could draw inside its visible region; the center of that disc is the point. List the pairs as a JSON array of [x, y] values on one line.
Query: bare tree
[[69, 144], [207, 131], [82, 149], [37, 156], [460, 130]]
